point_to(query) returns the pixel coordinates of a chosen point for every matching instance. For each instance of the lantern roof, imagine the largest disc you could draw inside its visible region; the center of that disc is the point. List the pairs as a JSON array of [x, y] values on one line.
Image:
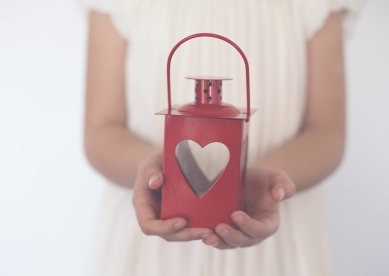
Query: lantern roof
[[208, 101], [175, 112]]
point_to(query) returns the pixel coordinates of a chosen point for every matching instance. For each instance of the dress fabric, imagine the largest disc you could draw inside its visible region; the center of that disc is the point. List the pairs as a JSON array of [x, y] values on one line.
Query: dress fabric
[[273, 35]]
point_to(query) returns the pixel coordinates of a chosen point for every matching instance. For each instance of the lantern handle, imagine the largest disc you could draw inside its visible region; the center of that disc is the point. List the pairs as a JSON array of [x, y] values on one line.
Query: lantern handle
[[246, 63]]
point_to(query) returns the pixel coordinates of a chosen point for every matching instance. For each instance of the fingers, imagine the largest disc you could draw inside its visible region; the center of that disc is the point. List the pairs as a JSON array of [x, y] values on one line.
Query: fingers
[[259, 227], [157, 227], [216, 241], [145, 200], [283, 186], [173, 230], [189, 234], [250, 232], [227, 237], [233, 237]]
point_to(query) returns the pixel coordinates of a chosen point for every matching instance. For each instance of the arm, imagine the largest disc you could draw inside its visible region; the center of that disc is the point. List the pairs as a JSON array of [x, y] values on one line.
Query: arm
[[318, 149], [110, 147]]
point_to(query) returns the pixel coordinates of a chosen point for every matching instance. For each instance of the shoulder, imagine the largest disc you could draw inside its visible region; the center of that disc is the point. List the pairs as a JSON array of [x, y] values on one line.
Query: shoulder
[[314, 14], [117, 10]]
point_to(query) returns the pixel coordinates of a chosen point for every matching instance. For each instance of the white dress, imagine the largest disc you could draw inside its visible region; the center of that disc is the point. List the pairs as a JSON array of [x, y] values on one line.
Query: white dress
[[273, 35]]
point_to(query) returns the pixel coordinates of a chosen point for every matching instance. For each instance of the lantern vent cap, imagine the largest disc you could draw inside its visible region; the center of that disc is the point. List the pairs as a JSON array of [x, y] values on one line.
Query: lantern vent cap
[[208, 98]]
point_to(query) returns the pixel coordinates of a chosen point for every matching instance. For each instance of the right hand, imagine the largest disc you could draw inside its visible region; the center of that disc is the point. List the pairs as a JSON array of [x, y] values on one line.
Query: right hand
[[147, 203]]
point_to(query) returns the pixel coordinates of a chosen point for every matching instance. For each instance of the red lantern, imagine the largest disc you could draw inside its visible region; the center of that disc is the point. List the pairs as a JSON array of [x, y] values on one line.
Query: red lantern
[[187, 192]]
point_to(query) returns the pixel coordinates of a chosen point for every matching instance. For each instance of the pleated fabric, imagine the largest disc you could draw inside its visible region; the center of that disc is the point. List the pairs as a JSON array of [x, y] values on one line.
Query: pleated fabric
[[273, 35]]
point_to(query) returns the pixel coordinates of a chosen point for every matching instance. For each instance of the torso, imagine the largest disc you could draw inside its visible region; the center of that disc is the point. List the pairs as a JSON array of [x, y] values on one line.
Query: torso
[[271, 35]]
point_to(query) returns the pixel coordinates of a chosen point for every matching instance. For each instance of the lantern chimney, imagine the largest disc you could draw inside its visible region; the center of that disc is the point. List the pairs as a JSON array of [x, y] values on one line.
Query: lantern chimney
[[208, 98]]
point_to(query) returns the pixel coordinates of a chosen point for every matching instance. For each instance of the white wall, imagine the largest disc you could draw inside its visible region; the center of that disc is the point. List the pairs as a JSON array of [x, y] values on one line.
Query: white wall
[[359, 191], [49, 196]]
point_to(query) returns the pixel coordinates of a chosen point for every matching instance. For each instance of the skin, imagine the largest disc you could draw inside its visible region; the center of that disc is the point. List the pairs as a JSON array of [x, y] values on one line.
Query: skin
[[303, 162]]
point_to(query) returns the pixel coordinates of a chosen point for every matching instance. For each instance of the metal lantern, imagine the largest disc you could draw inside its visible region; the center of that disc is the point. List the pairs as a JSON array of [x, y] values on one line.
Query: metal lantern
[[187, 191]]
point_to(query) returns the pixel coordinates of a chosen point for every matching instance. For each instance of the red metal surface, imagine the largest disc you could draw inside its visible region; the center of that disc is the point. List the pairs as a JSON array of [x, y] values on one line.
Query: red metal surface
[[226, 195], [205, 121]]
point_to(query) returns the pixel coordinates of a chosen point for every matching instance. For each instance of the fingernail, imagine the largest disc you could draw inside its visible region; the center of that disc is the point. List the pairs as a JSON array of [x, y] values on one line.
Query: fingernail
[[238, 219], [215, 244], [281, 194], [179, 225], [204, 236], [224, 232], [152, 179]]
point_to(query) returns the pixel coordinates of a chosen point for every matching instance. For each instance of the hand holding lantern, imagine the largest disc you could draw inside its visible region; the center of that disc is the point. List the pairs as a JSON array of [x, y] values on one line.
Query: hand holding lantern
[[147, 203], [204, 122], [264, 188]]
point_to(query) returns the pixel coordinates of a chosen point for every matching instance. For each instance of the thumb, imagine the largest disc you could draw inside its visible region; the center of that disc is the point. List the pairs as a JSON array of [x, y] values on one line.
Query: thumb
[[152, 175], [283, 186]]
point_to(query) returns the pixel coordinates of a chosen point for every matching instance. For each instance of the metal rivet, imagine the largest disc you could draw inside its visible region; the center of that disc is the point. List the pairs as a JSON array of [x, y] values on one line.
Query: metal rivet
[[209, 83], [209, 98], [205, 90], [218, 91]]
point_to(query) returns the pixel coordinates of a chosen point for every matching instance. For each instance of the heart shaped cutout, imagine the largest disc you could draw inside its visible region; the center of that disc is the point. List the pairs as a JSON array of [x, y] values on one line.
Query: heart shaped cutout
[[201, 167]]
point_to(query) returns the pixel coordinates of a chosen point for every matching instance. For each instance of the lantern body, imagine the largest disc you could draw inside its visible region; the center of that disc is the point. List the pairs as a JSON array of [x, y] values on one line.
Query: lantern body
[[204, 121], [226, 194]]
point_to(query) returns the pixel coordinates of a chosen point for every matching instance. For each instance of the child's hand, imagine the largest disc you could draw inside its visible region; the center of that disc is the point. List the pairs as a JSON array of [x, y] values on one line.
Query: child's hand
[[147, 203], [264, 189]]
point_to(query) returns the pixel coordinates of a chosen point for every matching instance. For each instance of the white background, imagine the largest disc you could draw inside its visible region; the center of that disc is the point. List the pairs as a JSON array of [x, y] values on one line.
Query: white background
[[49, 196]]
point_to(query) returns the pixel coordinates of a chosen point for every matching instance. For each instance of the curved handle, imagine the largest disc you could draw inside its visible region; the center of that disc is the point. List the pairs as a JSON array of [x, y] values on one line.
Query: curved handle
[[246, 63]]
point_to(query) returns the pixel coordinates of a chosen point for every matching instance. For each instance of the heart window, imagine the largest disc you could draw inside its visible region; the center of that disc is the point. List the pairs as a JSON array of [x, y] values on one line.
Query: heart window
[[201, 167]]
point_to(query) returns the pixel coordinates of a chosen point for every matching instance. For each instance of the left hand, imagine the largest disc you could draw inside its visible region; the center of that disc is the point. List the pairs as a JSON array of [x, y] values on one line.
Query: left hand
[[147, 203], [264, 189]]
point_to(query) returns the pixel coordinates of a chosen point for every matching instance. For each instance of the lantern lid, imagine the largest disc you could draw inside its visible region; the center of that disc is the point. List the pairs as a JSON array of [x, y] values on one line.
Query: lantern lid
[[208, 101]]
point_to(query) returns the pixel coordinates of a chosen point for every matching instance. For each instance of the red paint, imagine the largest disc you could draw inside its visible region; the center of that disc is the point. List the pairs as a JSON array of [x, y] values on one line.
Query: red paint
[[205, 121]]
